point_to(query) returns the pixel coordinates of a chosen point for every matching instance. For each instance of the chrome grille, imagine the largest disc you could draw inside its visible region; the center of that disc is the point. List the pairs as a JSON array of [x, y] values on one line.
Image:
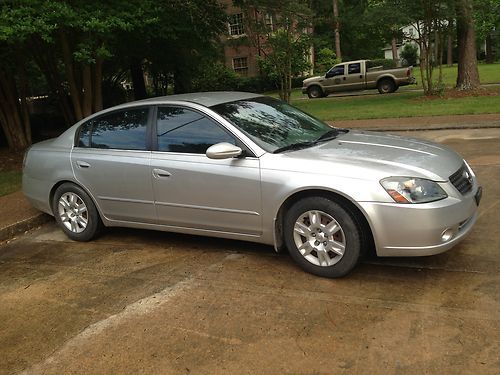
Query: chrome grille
[[462, 180]]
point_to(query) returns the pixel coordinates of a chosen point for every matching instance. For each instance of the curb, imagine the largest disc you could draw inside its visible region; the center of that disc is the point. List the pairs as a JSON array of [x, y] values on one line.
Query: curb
[[22, 226]]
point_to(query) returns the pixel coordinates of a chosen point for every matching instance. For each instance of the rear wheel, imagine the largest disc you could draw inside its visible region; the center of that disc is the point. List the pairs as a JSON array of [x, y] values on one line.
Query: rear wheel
[[76, 213], [322, 237], [386, 86], [314, 92]]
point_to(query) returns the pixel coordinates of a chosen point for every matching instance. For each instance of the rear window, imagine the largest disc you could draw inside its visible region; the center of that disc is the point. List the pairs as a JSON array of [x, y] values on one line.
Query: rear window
[[123, 130]]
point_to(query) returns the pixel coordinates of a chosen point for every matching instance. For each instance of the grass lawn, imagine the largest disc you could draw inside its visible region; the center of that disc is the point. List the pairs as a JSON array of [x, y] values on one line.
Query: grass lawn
[[10, 181], [488, 73], [404, 104]]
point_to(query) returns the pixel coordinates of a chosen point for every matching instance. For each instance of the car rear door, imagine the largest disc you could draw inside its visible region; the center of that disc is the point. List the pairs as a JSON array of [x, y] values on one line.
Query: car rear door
[[112, 161], [193, 191], [355, 79]]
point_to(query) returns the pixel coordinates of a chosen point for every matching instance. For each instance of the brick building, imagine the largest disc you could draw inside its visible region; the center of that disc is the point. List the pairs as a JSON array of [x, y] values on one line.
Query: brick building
[[239, 53]]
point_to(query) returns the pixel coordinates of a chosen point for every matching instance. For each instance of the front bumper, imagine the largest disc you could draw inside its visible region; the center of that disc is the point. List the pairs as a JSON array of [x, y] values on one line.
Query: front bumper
[[418, 229]]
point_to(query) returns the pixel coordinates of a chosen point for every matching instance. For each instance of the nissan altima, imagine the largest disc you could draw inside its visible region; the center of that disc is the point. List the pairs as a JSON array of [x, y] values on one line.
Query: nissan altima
[[250, 167]]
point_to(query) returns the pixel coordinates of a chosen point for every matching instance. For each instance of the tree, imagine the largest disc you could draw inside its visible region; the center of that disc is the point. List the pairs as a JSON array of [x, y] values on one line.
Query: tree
[[487, 20], [283, 44], [336, 27], [468, 74]]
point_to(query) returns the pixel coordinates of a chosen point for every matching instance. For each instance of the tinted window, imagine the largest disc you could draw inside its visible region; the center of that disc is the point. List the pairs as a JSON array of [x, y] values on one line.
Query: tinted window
[[183, 130], [121, 130], [354, 68], [84, 137], [337, 71]]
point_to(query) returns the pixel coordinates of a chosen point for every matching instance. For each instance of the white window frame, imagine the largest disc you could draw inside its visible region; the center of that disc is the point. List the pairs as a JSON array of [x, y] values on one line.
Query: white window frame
[[242, 69], [237, 28]]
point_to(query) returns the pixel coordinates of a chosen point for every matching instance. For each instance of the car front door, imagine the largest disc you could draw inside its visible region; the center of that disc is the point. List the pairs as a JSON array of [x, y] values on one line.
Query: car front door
[[335, 79], [112, 161], [193, 191]]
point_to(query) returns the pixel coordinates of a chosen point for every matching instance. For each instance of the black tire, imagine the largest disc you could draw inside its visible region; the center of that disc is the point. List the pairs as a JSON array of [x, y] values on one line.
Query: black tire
[[91, 215], [350, 233], [386, 86], [314, 92]]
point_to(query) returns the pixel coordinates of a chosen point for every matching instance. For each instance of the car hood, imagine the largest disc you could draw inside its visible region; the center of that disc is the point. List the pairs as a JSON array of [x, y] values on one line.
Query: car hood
[[311, 79], [377, 155]]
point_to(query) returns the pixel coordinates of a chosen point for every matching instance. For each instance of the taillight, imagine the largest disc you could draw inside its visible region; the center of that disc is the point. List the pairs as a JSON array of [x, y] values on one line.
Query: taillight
[[408, 71]]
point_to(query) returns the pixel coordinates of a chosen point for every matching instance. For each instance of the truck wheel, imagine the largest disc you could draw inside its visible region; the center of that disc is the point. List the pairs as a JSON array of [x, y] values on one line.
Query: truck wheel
[[386, 86], [314, 92]]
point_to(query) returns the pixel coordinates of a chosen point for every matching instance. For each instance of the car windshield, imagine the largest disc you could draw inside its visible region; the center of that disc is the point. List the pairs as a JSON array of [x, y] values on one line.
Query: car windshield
[[271, 123]]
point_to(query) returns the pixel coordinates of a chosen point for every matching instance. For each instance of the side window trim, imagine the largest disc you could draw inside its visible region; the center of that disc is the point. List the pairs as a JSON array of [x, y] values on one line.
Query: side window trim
[[154, 130], [149, 131]]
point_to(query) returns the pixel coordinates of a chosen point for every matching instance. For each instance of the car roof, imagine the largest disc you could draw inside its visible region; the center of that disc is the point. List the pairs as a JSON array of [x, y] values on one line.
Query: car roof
[[207, 99]]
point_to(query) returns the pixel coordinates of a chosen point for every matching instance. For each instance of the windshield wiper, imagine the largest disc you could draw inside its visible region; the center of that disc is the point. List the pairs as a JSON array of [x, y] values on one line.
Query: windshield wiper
[[294, 146], [331, 134], [328, 136]]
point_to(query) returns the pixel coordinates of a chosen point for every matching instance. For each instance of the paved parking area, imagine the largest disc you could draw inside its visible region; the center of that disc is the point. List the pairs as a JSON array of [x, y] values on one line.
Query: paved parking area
[[149, 302]]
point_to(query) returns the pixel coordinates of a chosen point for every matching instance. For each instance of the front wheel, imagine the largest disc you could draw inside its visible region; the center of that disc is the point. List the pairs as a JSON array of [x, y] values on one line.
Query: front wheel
[[76, 213], [322, 237], [314, 92]]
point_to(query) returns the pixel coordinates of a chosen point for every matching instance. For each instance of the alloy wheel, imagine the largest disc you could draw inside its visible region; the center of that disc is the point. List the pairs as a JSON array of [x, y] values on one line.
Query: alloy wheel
[[73, 212], [319, 238]]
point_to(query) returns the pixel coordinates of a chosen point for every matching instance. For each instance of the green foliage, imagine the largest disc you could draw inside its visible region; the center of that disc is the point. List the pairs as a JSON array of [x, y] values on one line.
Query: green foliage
[[283, 47], [384, 63], [215, 77], [409, 54], [325, 59]]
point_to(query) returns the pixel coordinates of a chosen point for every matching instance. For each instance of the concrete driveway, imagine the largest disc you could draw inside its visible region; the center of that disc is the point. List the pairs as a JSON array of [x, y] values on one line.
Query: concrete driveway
[[149, 302]]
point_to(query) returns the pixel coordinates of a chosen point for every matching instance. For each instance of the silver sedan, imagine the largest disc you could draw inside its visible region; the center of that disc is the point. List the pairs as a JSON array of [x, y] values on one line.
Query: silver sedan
[[250, 167]]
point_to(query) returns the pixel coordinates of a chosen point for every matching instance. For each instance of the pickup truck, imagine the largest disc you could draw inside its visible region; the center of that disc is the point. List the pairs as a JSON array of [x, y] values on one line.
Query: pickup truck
[[357, 75]]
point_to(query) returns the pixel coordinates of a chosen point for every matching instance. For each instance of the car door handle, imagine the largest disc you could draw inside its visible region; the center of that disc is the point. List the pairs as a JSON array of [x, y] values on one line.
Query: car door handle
[[361, 76], [160, 173], [82, 164]]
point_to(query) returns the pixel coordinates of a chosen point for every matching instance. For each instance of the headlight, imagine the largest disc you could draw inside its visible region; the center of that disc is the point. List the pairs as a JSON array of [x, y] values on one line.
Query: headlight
[[412, 190]]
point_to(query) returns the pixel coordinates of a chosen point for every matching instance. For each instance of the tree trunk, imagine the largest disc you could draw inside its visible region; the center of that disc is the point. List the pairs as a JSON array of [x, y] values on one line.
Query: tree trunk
[[87, 90], [336, 27], [468, 74], [70, 76], [490, 58], [138, 79], [449, 53], [48, 67], [10, 115], [394, 48], [97, 85]]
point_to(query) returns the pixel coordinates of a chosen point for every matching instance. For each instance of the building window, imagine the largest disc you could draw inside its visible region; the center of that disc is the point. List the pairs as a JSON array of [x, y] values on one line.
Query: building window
[[240, 65], [236, 24], [268, 19]]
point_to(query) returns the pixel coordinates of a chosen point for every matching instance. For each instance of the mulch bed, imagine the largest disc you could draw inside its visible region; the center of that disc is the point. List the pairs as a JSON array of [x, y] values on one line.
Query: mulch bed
[[10, 161]]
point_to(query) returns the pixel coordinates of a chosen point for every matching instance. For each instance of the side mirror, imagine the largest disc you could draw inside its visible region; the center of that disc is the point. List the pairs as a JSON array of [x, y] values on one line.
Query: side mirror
[[223, 150]]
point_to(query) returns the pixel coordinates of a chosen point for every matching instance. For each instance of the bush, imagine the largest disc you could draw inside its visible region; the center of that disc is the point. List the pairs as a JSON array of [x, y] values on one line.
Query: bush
[[409, 55], [325, 59], [215, 77], [385, 63]]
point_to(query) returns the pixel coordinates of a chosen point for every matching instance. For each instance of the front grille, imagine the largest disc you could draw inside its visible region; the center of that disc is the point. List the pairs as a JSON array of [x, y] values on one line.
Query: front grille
[[462, 180]]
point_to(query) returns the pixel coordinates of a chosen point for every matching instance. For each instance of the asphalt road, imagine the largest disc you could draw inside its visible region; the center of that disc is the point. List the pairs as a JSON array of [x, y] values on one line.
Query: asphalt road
[[149, 302]]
